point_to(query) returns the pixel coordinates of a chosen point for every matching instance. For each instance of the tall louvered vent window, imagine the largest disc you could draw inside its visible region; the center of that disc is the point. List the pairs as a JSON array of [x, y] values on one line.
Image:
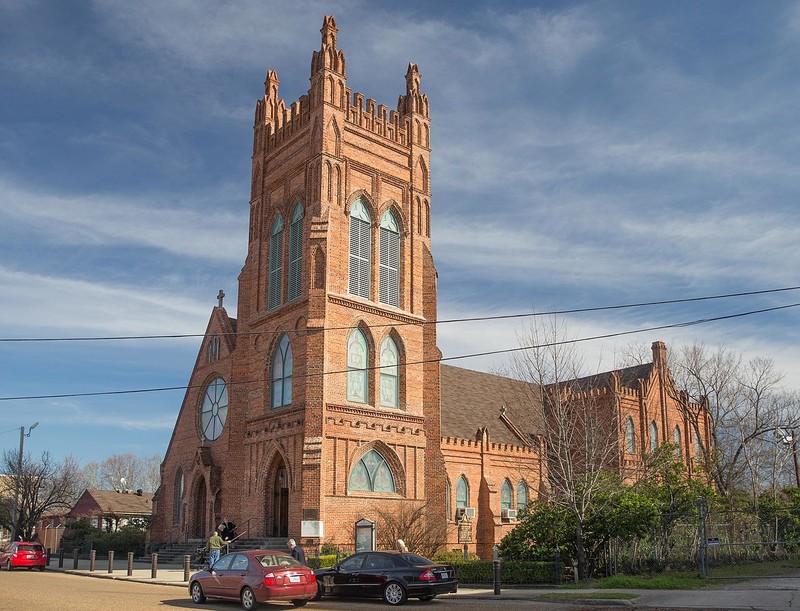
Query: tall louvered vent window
[[389, 260], [295, 253], [360, 245], [275, 264]]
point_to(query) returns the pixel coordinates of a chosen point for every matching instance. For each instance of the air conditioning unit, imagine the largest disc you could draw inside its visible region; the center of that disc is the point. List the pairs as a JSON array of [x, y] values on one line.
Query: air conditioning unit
[[508, 514], [465, 513]]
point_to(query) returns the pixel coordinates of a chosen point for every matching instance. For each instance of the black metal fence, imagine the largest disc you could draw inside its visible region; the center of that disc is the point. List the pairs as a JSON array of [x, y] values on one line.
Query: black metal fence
[[715, 542]]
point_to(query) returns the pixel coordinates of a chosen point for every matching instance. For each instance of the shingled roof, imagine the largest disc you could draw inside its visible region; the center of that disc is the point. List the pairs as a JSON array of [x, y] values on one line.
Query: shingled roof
[[112, 503], [474, 399]]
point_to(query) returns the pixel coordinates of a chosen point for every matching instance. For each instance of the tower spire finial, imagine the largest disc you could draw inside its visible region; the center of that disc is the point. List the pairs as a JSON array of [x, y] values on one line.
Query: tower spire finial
[[328, 32]]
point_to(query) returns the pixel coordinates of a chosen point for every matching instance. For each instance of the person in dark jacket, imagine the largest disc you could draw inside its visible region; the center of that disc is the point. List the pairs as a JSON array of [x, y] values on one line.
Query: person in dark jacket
[[296, 551]]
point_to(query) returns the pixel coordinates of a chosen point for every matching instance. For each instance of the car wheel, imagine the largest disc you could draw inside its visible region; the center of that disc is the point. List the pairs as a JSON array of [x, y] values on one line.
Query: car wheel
[[248, 599], [300, 602], [41, 568], [394, 593], [427, 597], [8, 564], [318, 595], [198, 597]]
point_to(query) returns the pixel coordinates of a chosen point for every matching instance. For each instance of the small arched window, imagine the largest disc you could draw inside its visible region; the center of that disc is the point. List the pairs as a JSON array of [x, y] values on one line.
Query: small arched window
[[389, 373], [371, 474], [698, 453], [360, 248], [295, 254], [275, 263], [506, 495], [357, 367], [389, 275], [653, 436], [630, 437], [522, 495], [462, 492], [676, 437], [281, 382]]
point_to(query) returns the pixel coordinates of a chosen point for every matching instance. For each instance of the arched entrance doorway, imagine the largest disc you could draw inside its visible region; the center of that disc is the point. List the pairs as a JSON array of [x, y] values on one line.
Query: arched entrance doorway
[[277, 501], [198, 530]]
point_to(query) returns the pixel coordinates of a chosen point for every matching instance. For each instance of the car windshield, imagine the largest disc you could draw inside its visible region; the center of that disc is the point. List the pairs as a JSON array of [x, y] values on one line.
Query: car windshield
[[277, 560], [32, 547], [415, 560]]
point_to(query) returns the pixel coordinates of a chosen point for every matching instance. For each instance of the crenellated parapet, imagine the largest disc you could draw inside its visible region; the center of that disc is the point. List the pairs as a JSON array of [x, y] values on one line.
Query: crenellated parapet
[[275, 122]]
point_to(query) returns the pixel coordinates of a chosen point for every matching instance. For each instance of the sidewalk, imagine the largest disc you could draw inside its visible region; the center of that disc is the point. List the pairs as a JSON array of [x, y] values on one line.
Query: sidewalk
[[769, 594]]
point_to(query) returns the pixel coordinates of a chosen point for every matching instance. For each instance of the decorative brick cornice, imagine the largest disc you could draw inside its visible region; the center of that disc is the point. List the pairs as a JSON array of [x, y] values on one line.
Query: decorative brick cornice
[[373, 419], [373, 309]]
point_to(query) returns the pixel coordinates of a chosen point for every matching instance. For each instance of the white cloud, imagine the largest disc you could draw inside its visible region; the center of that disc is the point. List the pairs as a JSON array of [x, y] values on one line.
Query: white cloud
[[35, 303], [193, 227]]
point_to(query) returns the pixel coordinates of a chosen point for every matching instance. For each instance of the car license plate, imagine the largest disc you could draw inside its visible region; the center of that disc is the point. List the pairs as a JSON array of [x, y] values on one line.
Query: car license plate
[[294, 578], [445, 574]]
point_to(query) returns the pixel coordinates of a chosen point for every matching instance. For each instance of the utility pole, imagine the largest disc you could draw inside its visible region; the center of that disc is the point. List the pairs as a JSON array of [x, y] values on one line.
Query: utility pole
[[14, 514]]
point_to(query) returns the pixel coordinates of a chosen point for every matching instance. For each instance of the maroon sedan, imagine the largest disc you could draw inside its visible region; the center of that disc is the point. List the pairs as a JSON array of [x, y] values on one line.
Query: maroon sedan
[[23, 553], [255, 577]]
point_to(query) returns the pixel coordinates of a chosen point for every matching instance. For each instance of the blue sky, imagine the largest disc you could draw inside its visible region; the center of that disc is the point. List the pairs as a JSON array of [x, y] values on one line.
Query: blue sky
[[591, 153]]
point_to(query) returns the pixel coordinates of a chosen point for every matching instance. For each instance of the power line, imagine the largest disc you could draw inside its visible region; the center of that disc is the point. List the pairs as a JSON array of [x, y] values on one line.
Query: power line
[[420, 323], [690, 323]]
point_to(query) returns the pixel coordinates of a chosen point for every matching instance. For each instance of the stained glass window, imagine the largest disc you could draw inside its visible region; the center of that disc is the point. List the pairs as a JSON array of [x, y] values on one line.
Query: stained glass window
[[357, 367], [372, 474], [282, 373], [214, 409], [389, 373]]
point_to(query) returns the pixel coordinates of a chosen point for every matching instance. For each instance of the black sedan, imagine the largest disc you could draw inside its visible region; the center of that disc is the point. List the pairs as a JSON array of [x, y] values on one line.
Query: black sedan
[[393, 576]]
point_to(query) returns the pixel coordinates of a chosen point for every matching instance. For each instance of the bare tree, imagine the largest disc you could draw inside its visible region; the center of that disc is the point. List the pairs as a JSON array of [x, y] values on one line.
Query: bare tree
[[746, 407], [44, 486], [579, 431], [415, 524]]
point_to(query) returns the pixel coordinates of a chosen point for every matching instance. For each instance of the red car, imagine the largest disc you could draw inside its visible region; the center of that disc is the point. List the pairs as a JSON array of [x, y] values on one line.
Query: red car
[[23, 553], [255, 577]]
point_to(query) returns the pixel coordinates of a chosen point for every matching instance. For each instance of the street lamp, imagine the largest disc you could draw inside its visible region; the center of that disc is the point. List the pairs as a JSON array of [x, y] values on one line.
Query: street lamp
[[14, 516]]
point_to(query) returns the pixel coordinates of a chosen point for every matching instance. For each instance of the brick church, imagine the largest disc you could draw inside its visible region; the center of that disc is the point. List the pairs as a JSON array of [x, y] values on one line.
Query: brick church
[[324, 401]]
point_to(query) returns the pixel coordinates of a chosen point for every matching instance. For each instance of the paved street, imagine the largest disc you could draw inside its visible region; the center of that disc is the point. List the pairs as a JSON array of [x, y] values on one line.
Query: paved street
[[66, 589]]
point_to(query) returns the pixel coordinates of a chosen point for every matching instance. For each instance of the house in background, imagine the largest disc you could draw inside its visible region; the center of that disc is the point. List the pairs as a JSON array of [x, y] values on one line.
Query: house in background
[[110, 510]]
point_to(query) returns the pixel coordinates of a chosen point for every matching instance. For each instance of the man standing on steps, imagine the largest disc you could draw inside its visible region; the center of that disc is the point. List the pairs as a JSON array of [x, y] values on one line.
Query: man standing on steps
[[297, 552], [213, 546]]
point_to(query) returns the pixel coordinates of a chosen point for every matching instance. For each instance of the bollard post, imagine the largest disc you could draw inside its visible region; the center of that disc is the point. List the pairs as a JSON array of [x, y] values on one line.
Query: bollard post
[[130, 564], [111, 561], [92, 556], [75, 559], [154, 566], [496, 571], [49, 553], [186, 560], [61, 558]]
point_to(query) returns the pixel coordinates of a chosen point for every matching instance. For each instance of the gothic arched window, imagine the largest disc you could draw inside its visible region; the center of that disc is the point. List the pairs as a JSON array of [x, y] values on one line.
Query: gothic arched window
[[506, 495], [389, 275], [371, 474], [653, 436], [698, 454], [281, 380], [462, 492], [295, 254], [275, 263], [214, 409], [360, 248], [522, 495], [676, 437], [357, 356], [630, 436], [389, 373]]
